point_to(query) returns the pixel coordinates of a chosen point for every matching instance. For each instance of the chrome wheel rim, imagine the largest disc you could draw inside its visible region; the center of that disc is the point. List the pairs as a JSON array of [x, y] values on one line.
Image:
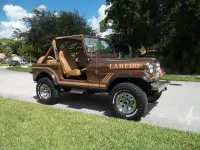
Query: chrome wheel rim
[[45, 91], [126, 102]]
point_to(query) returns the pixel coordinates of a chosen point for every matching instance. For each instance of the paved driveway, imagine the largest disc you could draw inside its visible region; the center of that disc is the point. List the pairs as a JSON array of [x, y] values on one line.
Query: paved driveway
[[179, 106]]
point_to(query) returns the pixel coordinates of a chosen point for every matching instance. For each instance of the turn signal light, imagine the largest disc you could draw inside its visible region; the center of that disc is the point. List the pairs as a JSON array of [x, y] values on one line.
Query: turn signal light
[[137, 73]]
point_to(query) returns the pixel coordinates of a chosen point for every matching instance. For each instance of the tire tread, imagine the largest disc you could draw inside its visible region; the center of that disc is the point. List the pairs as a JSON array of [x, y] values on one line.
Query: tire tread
[[54, 91], [139, 95]]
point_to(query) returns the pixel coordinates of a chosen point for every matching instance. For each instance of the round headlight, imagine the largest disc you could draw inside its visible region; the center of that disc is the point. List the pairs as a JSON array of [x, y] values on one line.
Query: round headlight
[[150, 66], [158, 69], [158, 65], [151, 70]]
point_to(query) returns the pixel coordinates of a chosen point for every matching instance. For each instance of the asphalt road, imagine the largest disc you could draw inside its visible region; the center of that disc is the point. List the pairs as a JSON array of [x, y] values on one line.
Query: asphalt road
[[178, 107]]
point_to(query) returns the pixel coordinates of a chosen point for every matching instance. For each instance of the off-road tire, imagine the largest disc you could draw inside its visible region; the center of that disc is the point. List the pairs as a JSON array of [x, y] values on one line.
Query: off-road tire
[[154, 98], [54, 98], [140, 98]]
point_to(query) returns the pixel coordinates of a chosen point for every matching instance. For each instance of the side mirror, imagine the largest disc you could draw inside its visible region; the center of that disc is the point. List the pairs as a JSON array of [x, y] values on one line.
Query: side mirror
[[90, 49], [97, 53]]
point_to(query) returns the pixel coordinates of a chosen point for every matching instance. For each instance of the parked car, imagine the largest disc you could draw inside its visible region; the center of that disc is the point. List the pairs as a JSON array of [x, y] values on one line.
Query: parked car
[[13, 63], [23, 62]]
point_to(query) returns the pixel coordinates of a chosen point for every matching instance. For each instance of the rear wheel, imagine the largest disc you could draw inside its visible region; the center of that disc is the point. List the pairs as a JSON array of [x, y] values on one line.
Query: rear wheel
[[128, 101], [46, 91]]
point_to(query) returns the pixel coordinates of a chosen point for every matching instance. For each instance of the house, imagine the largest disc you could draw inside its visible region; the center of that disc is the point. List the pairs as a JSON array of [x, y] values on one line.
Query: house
[[20, 59], [14, 57], [2, 57]]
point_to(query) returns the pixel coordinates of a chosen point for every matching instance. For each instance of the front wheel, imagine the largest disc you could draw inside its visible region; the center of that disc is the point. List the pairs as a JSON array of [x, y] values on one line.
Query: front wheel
[[128, 101], [47, 92]]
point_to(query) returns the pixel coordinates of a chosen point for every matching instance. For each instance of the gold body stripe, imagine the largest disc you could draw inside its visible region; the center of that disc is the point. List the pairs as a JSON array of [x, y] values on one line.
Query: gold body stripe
[[107, 78], [110, 75], [103, 81]]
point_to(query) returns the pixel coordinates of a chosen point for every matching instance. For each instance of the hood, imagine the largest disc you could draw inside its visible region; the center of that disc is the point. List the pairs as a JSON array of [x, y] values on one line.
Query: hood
[[125, 63], [139, 59]]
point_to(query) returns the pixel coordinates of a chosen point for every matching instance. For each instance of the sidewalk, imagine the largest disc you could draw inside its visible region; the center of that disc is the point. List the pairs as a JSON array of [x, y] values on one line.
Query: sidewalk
[[182, 75], [4, 66]]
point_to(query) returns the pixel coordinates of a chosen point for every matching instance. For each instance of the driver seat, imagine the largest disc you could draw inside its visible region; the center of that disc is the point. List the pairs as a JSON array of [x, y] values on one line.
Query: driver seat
[[68, 65]]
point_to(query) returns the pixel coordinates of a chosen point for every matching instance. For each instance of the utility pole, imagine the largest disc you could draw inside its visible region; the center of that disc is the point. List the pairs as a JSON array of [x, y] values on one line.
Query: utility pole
[[30, 57]]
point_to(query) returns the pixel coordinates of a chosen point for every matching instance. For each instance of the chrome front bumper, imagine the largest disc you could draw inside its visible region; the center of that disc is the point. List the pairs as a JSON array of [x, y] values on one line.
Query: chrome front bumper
[[160, 86]]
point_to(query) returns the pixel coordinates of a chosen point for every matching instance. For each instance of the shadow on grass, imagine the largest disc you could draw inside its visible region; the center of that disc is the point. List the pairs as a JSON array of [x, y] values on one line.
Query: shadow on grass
[[97, 102]]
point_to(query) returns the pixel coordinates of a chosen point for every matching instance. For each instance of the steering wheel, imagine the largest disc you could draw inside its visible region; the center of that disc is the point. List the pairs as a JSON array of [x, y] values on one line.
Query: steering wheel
[[50, 58]]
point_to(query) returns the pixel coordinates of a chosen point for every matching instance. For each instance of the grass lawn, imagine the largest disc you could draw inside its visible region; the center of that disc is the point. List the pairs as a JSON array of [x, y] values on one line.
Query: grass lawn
[[20, 69], [34, 126], [181, 78], [3, 64]]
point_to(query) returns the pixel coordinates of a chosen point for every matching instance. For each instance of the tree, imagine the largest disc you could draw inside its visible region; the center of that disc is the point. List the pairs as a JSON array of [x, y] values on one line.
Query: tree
[[5, 47], [173, 26], [119, 43], [7, 51], [44, 26], [1, 48], [135, 20], [15, 45], [180, 32]]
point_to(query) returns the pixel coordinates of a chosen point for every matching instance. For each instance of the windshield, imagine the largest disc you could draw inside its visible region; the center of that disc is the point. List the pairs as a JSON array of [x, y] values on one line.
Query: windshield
[[98, 45]]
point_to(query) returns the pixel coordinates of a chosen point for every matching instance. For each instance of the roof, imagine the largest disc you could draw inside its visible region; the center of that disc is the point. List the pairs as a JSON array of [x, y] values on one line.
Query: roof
[[2, 56], [15, 55]]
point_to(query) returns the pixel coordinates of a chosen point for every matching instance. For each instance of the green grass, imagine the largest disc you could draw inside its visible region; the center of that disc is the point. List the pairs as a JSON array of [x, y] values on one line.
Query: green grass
[[20, 69], [3, 64], [181, 78], [35, 127]]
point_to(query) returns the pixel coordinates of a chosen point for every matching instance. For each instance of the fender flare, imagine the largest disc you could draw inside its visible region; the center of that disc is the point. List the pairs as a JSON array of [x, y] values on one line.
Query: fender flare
[[48, 73], [127, 76]]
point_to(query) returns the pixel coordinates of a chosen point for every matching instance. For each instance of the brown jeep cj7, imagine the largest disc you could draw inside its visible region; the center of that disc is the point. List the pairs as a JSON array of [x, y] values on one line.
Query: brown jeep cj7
[[90, 64]]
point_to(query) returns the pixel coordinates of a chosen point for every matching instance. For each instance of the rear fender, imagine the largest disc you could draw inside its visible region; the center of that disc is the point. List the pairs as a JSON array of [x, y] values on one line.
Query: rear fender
[[45, 73]]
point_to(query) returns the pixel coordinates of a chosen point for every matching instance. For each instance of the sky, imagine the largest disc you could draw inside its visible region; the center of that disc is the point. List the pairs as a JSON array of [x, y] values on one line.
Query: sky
[[12, 11]]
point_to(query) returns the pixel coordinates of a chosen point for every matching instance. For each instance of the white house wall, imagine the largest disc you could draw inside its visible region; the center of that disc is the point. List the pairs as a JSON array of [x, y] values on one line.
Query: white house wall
[[15, 58]]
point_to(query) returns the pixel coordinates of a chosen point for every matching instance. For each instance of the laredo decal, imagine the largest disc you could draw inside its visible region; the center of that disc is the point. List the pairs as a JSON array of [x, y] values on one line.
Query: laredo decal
[[124, 66]]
